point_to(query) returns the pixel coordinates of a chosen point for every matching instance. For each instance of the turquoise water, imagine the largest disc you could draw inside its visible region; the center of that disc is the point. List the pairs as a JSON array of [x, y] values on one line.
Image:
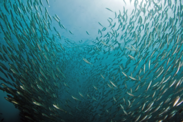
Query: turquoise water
[[93, 61]]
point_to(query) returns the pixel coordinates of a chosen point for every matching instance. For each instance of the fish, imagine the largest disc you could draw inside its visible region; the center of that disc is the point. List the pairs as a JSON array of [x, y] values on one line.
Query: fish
[[81, 94], [125, 74], [102, 76], [36, 103], [179, 103], [47, 1], [95, 87], [176, 101], [100, 24], [149, 85], [86, 61], [130, 94], [56, 106], [132, 78], [70, 32], [131, 57], [109, 9], [75, 98], [113, 84], [87, 33], [134, 63]]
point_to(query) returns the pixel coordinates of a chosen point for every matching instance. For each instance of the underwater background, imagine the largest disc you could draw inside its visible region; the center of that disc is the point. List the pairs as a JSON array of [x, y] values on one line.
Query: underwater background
[[91, 60]]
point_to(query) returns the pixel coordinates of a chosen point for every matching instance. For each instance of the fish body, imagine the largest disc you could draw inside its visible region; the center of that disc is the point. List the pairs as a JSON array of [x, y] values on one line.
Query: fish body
[[86, 61]]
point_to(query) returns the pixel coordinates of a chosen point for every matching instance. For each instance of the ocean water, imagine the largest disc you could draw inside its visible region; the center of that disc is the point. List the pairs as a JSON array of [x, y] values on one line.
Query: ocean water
[[91, 61]]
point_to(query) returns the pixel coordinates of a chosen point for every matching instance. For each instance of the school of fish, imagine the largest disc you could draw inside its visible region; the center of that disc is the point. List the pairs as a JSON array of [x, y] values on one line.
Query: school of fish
[[132, 71]]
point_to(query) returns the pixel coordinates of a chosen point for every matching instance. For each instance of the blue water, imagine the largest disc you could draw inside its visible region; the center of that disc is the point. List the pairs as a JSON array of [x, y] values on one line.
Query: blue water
[[81, 16]]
